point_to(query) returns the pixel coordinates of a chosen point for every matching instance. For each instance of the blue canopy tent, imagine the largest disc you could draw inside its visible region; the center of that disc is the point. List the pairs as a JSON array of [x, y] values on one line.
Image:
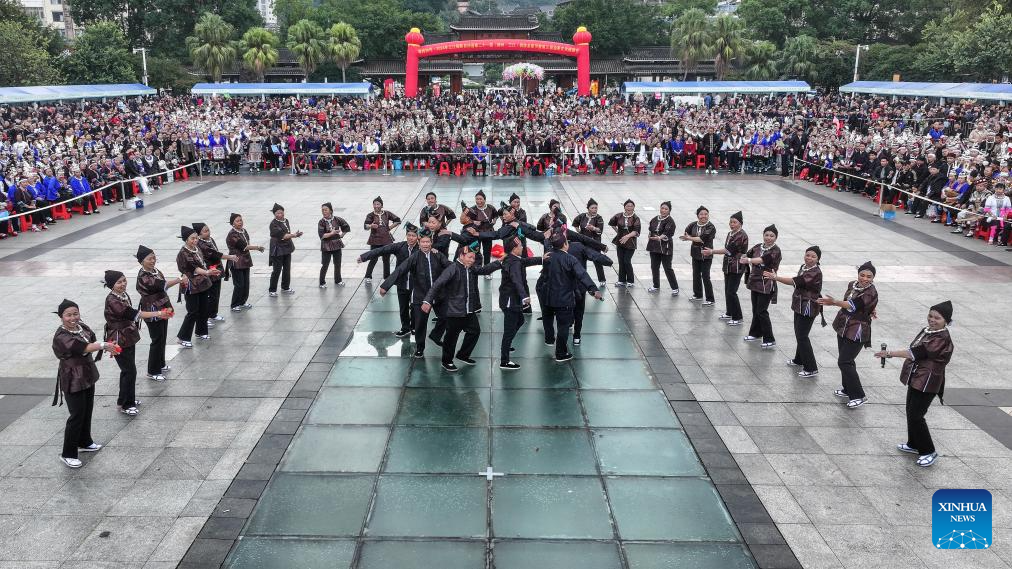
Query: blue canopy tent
[[714, 87], [982, 91], [46, 93], [262, 90]]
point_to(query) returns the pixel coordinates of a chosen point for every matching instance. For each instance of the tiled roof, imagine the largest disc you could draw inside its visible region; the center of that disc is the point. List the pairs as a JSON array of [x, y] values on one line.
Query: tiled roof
[[496, 23]]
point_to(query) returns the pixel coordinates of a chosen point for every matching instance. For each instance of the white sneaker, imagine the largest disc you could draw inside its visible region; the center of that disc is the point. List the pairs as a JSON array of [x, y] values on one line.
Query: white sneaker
[[674, 292], [725, 316], [272, 294], [734, 322], [247, 306], [793, 363], [629, 285], [808, 374], [708, 303], [131, 411], [323, 285], [288, 290], [210, 323], [927, 459], [204, 337], [93, 447], [368, 281], [855, 403], [185, 344], [652, 289], [72, 462], [750, 338], [768, 345], [236, 309], [603, 284], [156, 377], [219, 318], [618, 284]]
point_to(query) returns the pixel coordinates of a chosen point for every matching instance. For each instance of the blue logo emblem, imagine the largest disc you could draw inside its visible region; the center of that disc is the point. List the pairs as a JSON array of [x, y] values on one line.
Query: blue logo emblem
[[961, 519]]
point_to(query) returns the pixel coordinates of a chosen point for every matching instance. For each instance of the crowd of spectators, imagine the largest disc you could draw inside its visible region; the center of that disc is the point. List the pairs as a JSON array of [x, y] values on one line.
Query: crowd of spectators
[[958, 152]]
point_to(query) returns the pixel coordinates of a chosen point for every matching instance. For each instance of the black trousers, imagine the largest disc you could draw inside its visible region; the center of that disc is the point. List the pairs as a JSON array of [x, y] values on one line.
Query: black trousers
[[159, 332], [918, 435], [372, 263], [625, 268], [196, 316], [804, 355], [513, 320], [213, 298], [78, 431], [849, 350], [761, 324], [563, 320], [701, 278], [421, 321], [281, 267], [127, 363], [486, 252], [240, 287], [404, 306], [657, 260], [578, 312], [327, 256], [600, 272], [733, 161], [471, 328], [731, 303]]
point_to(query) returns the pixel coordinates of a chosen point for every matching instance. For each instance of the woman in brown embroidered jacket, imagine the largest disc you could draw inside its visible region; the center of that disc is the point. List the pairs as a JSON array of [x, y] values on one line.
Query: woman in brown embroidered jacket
[[152, 286], [483, 216], [591, 224], [190, 262], [74, 343], [735, 245], [701, 234], [659, 244], [331, 229], [380, 224], [924, 375], [239, 267], [760, 258], [804, 303], [214, 259], [122, 328], [627, 228], [853, 330]]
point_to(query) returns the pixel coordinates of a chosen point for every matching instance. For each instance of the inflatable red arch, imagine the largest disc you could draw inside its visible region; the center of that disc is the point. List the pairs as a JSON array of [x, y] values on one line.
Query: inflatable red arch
[[579, 49]]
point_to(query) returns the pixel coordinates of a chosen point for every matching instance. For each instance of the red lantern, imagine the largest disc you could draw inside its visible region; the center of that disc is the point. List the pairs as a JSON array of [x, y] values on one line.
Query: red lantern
[[415, 37], [582, 36]]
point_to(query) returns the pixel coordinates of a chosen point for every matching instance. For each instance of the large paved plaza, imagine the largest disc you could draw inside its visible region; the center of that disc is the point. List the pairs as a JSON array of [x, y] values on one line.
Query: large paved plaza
[[302, 435]]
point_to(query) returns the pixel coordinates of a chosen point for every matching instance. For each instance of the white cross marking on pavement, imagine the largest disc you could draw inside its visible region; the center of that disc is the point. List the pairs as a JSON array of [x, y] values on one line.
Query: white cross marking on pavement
[[489, 474]]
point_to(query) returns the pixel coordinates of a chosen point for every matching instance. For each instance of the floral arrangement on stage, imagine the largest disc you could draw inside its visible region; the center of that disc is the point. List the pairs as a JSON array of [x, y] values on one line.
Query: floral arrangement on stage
[[523, 71]]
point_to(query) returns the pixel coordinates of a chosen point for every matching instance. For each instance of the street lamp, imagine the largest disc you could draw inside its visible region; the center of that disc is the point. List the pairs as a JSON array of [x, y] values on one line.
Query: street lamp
[[144, 63], [857, 58]]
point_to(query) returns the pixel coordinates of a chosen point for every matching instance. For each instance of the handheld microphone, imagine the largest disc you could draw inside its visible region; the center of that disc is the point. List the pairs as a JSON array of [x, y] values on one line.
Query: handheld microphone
[[883, 358]]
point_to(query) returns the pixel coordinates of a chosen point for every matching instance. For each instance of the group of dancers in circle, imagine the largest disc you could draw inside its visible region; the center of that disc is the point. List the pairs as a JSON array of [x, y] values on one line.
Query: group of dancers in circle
[[428, 280]]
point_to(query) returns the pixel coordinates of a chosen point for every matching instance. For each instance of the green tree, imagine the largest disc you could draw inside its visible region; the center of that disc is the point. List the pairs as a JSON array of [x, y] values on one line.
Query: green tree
[[691, 38], [934, 54], [760, 61], [881, 61], [835, 63], [773, 20], [343, 46], [167, 73], [100, 55], [799, 58], [42, 35], [381, 24], [670, 11], [211, 46], [984, 52], [259, 49], [30, 63], [617, 25], [727, 42], [306, 40], [290, 11]]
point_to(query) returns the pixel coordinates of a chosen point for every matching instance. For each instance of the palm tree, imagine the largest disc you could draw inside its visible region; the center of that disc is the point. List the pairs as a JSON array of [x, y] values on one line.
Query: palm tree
[[259, 50], [761, 58], [306, 40], [690, 38], [343, 46], [727, 42], [211, 45], [798, 58]]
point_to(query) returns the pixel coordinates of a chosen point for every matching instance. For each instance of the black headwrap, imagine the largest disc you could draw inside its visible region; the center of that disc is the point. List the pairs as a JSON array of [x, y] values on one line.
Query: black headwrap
[[514, 196], [111, 277], [772, 228], [231, 218], [277, 207], [737, 215], [867, 266], [198, 227], [425, 233], [328, 206], [815, 249], [64, 306], [185, 232], [142, 253], [627, 202], [378, 199], [667, 204], [702, 208], [480, 193], [945, 309], [591, 202], [410, 228], [558, 240]]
